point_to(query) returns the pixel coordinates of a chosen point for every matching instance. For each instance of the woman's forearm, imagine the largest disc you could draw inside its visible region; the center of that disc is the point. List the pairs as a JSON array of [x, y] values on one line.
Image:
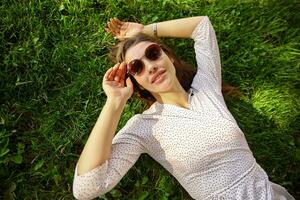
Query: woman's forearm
[[180, 28], [98, 146]]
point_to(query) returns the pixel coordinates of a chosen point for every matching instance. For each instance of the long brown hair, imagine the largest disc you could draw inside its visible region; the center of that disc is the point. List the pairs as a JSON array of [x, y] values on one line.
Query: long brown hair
[[184, 71]]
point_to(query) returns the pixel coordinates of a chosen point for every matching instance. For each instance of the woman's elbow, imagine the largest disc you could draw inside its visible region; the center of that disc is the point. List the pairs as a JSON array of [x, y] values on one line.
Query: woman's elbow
[[87, 191]]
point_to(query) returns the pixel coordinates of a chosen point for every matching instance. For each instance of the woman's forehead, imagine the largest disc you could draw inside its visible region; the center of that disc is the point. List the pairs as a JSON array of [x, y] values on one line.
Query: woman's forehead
[[136, 51]]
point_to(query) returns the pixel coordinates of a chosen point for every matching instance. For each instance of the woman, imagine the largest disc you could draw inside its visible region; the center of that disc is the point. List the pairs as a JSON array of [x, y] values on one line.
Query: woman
[[187, 127]]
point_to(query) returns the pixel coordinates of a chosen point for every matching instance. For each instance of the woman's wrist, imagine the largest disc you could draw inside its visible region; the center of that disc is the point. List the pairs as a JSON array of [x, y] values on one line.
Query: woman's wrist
[[149, 29], [154, 29], [116, 104]]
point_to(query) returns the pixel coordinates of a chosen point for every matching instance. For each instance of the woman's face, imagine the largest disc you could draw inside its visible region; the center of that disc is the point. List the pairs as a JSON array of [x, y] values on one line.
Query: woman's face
[[158, 76]]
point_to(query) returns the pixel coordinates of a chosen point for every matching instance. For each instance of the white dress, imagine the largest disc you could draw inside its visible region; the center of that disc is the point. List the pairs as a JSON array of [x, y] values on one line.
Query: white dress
[[202, 147]]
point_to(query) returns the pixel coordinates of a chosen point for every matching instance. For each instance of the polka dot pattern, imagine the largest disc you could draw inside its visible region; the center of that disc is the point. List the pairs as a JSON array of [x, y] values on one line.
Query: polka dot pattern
[[202, 146]]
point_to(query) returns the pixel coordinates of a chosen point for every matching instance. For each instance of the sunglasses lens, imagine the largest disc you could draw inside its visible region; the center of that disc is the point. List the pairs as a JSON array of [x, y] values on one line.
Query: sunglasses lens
[[136, 66], [153, 52]]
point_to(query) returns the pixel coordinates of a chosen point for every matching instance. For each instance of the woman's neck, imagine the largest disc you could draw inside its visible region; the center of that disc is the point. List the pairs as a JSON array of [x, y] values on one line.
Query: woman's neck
[[178, 98]]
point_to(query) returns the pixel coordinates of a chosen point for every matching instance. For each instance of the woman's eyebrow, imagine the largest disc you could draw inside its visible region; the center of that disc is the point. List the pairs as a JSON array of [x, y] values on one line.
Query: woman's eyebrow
[[138, 58], [143, 55]]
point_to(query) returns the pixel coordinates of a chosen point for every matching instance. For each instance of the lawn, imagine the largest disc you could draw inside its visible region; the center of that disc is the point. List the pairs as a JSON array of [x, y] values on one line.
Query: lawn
[[53, 55]]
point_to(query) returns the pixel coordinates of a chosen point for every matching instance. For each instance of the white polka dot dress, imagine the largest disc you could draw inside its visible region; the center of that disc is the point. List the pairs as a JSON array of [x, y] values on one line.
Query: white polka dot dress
[[202, 147]]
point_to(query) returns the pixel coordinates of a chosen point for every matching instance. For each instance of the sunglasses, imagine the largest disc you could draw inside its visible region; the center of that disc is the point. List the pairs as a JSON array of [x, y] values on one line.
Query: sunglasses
[[152, 52]]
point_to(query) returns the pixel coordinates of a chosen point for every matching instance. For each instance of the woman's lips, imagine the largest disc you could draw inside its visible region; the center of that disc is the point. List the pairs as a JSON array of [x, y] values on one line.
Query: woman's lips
[[159, 78]]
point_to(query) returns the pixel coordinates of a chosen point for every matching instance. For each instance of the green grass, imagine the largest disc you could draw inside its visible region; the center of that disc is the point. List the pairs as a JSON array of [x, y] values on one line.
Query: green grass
[[53, 56]]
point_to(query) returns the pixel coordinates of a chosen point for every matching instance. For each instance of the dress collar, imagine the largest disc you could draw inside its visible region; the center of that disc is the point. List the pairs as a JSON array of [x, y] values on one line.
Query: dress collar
[[159, 108]]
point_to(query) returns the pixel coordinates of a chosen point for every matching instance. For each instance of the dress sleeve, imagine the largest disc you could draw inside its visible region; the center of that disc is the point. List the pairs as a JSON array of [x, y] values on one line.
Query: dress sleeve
[[125, 151], [207, 56]]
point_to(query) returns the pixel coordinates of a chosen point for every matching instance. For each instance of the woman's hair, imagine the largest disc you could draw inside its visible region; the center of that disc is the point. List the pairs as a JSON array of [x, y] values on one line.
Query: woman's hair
[[184, 71]]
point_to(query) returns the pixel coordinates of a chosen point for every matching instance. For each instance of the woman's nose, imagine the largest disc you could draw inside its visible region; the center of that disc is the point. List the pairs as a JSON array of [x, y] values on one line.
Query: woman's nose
[[153, 69], [150, 67]]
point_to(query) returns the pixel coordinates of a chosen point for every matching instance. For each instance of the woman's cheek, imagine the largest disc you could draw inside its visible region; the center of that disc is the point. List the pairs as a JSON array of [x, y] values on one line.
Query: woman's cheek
[[144, 83]]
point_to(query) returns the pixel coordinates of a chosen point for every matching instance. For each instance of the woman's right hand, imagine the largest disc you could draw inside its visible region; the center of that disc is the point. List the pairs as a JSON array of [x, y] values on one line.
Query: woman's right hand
[[114, 83], [122, 30]]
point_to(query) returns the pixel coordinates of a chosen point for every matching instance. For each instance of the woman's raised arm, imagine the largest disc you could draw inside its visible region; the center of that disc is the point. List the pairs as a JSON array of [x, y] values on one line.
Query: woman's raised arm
[[105, 157], [97, 148], [179, 28]]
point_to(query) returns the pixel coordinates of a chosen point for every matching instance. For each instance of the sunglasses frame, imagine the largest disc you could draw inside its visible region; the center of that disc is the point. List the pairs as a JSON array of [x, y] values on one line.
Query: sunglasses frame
[[140, 60]]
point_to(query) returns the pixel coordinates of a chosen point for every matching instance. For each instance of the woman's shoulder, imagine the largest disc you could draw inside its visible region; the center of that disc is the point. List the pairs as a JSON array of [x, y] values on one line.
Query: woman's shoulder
[[133, 120], [137, 121], [132, 125]]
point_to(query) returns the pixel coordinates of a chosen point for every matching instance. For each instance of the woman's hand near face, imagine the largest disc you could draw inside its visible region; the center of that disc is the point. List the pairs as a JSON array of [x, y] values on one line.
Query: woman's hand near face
[[122, 30], [114, 83]]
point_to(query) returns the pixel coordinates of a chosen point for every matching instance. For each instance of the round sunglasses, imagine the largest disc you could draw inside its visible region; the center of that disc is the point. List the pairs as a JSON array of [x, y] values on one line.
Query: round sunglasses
[[152, 52]]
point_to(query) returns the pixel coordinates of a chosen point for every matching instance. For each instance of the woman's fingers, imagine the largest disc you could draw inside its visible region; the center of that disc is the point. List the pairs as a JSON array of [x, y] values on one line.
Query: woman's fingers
[[107, 73], [116, 20], [117, 28], [129, 83], [115, 77], [118, 23], [112, 29], [112, 72], [122, 72], [114, 26], [116, 73]]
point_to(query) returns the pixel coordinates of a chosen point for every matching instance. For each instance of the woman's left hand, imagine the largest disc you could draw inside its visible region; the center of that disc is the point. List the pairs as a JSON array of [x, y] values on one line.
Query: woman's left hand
[[122, 30]]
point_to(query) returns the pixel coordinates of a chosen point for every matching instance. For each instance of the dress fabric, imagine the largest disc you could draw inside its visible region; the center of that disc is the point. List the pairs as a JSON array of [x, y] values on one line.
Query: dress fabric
[[202, 146]]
